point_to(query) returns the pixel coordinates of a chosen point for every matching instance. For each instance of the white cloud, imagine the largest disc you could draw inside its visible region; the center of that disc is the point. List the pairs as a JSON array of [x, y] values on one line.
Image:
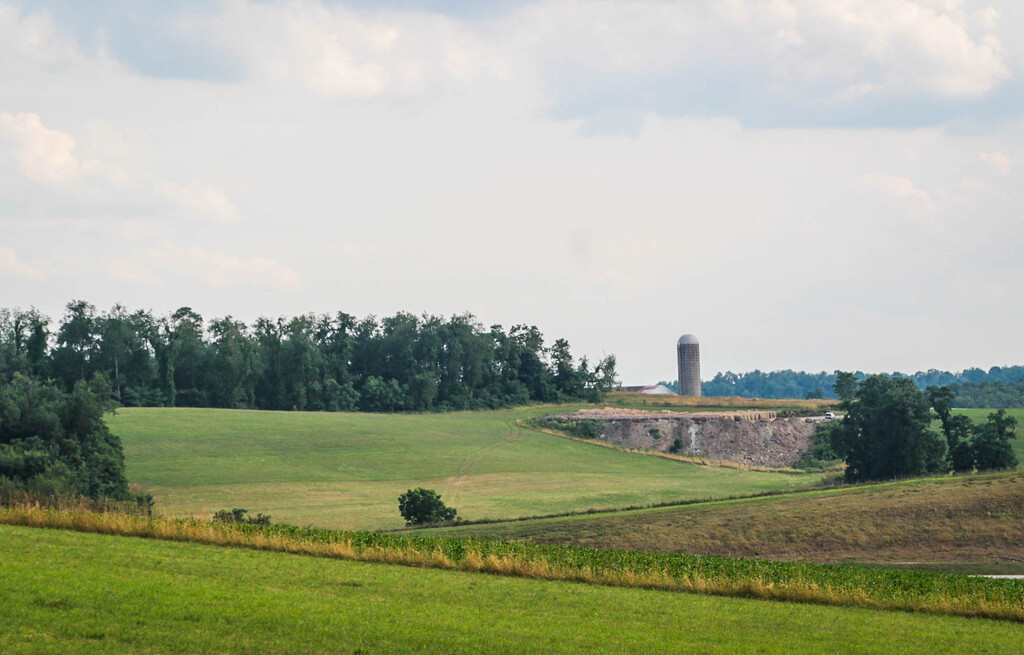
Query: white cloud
[[803, 51], [973, 184], [904, 45], [340, 52], [43, 155], [13, 265], [348, 251], [199, 200], [998, 161], [898, 188], [48, 156], [34, 38], [222, 270], [987, 18], [131, 272]]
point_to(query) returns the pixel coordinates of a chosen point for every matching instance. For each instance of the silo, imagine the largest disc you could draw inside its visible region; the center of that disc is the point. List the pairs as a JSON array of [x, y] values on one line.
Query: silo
[[688, 354]]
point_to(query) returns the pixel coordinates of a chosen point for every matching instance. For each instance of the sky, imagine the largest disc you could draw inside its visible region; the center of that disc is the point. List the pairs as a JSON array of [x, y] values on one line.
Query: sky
[[805, 184]]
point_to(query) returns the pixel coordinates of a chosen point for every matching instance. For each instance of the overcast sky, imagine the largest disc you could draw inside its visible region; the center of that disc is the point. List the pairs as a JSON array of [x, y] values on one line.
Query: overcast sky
[[807, 184]]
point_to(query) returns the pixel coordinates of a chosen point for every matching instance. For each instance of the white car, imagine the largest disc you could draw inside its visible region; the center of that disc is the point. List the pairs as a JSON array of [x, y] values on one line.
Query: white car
[[829, 416]]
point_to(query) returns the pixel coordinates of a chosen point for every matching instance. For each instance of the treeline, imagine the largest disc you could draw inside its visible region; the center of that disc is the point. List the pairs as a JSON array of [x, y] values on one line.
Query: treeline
[[1000, 395], [309, 362], [999, 387]]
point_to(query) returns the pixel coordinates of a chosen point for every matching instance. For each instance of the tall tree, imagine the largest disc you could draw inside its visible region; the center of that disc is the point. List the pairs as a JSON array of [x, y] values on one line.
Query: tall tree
[[887, 431], [992, 449], [76, 343], [231, 381]]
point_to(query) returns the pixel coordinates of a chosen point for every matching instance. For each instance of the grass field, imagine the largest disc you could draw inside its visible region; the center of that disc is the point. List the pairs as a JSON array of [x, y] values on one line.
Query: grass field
[[974, 519], [346, 470], [85, 593]]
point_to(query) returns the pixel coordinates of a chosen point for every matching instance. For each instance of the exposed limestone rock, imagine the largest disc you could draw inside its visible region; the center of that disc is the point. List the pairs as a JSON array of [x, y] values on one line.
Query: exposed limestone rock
[[757, 441]]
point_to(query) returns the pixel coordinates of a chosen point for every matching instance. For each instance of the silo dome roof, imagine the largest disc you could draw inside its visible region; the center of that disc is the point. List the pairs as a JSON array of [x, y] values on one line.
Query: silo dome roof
[[688, 339]]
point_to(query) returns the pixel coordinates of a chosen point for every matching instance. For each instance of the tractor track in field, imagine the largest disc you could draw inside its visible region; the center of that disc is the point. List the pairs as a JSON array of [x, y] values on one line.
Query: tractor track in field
[[465, 469]]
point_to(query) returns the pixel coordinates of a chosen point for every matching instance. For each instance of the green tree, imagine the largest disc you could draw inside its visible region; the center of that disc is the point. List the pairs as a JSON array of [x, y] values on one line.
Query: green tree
[[189, 352], [76, 343], [886, 431], [566, 376], [845, 387], [232, 354], [992, 449], [962, 457], [421, 506], [379, 395], [56, 442]]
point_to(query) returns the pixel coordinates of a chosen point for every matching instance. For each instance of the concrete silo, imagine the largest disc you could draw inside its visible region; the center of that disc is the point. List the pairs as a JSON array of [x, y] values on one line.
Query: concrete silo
[[688, 355]]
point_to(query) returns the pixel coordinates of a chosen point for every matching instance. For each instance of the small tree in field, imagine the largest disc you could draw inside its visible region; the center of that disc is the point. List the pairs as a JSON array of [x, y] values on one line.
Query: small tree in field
[[421, 506], [992, 449]]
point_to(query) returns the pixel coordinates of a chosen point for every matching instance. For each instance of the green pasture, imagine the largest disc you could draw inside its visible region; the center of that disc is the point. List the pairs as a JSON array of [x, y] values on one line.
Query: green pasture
[[86, 593], [346, 470]]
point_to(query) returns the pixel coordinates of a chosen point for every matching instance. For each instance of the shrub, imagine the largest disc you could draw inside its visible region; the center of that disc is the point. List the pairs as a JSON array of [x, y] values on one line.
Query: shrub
[[587, 428], [421, 506], [238, 515]]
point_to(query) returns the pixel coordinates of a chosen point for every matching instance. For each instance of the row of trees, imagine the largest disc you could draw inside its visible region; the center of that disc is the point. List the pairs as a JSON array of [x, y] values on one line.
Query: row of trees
[[1000, 386], [887, 433], [309, 362], [989, 394]]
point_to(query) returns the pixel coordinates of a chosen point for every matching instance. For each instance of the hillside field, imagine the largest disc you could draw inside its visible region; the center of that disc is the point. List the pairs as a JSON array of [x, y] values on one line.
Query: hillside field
[[346, 470], [976, 520], [73, 593]]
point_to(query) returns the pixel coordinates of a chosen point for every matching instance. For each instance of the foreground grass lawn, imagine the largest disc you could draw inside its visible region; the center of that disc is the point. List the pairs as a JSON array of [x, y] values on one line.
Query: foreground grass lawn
[[85, 593], [346, 470]]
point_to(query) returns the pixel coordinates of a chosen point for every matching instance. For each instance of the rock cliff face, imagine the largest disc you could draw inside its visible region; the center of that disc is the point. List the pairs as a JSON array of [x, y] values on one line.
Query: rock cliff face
[[755, 441]]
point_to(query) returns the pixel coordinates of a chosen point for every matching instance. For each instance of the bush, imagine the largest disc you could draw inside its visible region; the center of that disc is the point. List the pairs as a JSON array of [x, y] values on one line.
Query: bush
[[587, 428], [238, 515], [821, 453], [421, 506], [52, 442]]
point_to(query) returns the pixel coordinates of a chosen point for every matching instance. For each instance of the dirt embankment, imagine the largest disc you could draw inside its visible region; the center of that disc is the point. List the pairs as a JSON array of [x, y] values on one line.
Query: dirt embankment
[[754, 438]]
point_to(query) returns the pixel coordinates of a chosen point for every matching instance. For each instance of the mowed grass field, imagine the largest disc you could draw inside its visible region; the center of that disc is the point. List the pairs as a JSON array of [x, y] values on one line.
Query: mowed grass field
[[86, 593], [345, 470], [976, 520]]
